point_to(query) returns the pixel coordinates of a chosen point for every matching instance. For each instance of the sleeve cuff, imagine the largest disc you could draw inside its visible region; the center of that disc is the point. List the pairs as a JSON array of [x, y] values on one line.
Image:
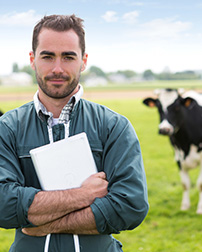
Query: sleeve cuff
[[102, 218]]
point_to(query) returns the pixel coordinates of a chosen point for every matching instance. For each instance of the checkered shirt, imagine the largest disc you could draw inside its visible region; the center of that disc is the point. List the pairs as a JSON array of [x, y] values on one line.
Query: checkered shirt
[[66, 111]]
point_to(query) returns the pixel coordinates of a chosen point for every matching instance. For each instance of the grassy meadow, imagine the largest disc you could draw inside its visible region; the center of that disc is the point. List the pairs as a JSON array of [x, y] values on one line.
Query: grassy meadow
[[166, 228]]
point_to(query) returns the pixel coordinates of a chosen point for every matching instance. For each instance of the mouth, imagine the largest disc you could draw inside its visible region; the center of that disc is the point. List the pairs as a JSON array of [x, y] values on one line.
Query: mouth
[[57, 81]]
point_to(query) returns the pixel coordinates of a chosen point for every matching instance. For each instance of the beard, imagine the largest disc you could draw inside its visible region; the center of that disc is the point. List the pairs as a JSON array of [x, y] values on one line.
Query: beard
[[57, 92]]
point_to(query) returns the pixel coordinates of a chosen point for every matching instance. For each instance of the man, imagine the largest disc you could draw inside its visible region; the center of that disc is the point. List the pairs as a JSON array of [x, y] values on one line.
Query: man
[[112, 200]]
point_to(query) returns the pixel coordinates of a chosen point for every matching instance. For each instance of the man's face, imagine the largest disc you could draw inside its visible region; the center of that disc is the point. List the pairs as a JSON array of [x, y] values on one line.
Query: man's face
[[58, 63]]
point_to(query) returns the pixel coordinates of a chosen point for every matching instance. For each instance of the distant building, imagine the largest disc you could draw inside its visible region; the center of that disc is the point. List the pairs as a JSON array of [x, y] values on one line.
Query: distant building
[[94, 81], [16, 79], [117, 78]]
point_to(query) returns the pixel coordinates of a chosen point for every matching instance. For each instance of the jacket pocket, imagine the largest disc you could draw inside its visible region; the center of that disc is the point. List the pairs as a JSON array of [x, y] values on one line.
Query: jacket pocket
[[27, 166]]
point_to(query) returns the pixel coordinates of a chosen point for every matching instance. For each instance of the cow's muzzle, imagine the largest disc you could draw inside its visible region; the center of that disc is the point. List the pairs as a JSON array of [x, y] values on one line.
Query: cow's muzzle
[[165, 128], [165, 132]]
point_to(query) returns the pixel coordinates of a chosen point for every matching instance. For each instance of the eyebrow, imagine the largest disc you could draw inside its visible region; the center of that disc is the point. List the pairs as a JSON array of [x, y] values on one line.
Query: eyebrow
[[47, 53], [69, 53]]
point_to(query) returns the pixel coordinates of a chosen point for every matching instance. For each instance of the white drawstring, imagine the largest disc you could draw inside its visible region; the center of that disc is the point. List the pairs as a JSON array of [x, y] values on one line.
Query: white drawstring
[[76, 243], [47, 241], [76, 237]]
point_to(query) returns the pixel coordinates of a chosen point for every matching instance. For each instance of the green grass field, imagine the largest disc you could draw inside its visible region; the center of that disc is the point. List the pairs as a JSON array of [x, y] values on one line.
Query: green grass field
[[166, 228]]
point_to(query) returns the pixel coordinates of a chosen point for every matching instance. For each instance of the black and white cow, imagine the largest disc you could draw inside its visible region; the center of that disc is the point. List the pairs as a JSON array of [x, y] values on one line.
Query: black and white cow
[[181, 120]]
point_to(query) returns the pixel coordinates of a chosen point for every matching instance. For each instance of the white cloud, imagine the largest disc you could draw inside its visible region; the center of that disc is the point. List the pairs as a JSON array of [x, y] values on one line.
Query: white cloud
[[28, 18], [131, 17], [160, 29], [110, 16], [128, 17], [150, 45], [164, 28]]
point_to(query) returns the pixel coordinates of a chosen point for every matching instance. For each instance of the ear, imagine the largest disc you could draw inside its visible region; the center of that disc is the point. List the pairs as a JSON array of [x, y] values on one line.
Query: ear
[[187, 102], [84, 64], [31, 58], [150, 102]]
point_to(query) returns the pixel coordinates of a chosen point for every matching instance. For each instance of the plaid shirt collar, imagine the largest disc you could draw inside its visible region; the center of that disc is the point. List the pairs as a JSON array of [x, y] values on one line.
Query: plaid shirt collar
[[65, 113]]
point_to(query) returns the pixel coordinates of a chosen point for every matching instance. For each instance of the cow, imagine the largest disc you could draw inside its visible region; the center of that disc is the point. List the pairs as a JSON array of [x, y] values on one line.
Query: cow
[[181, 120]]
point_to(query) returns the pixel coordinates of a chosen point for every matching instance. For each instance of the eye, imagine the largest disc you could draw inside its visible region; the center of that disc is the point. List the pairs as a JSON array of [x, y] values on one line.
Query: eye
[[47, 57], [68, 58]]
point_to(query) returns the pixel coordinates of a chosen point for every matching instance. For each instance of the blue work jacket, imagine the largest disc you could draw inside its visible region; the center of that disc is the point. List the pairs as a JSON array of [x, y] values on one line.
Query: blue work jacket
[[116, 151]]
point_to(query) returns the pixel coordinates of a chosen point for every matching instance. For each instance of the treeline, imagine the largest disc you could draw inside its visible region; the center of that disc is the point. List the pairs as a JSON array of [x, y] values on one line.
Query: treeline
[[123, 76], [185, 75], [146, 75]]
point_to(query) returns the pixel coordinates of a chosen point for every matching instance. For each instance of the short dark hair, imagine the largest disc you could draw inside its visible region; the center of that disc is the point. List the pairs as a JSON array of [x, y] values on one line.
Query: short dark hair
[[60, 23]]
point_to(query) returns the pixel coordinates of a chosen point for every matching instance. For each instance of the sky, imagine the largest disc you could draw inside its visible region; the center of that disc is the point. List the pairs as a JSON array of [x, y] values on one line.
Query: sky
[[120, 34]]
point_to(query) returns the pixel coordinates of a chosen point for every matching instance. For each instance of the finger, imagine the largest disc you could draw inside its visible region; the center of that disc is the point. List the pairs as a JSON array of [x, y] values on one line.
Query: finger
[[101, 175], [27, 231]]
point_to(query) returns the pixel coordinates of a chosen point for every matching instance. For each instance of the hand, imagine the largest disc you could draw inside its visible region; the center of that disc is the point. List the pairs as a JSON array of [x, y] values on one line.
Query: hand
[[36, 231], [96, 185]]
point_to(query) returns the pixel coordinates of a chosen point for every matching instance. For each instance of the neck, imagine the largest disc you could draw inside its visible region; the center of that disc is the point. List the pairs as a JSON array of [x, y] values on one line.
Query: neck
[[53, 105]]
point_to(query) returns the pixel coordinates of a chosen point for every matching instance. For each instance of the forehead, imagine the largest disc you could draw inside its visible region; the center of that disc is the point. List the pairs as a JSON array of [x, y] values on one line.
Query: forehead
[[167, 98], [55, 41]]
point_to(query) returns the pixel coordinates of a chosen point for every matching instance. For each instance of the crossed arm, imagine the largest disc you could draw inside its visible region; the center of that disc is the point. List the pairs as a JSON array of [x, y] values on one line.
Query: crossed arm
[[67, 211]]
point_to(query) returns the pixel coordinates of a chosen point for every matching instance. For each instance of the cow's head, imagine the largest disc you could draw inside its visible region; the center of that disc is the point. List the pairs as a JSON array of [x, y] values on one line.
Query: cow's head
[[171, 107]]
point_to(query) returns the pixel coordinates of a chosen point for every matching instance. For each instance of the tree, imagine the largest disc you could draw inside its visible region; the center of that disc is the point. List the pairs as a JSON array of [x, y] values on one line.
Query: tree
[[15, 68], [30, 71], [148, 75], [98, 71]]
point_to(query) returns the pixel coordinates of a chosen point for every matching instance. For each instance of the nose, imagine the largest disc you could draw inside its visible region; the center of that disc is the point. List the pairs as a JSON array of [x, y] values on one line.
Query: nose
[[57, 68], [165, 131], [165, 128]]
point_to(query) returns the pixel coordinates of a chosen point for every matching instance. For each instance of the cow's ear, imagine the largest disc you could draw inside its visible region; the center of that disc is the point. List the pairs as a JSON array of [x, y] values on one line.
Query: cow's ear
[[187, 102], [150, 102]]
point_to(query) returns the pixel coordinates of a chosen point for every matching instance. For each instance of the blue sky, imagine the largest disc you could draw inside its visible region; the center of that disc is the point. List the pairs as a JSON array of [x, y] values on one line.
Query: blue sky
[[120, 34]]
